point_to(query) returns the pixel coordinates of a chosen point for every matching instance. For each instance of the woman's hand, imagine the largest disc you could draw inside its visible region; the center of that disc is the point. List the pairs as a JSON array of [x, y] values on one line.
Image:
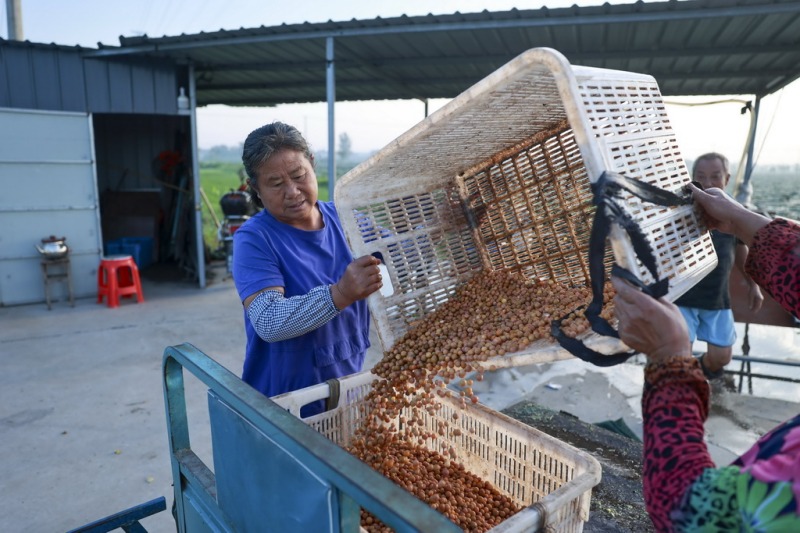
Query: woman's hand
[[654, 327], [361, 279], [725, 214]]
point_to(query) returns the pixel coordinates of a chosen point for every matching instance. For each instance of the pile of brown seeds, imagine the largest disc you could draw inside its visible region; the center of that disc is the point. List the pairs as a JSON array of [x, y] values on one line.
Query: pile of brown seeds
[[494, 314]]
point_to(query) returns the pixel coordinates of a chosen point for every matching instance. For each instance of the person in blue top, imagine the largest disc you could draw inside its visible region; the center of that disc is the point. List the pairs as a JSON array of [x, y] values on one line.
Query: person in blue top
[[305, 316]]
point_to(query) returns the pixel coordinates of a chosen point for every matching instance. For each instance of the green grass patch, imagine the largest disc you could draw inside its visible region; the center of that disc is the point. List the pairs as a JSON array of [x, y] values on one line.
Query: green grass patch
[[216, 179]]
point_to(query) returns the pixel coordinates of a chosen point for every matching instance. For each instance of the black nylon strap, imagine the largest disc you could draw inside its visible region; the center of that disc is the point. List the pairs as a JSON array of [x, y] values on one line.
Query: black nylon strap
[[609, 211]]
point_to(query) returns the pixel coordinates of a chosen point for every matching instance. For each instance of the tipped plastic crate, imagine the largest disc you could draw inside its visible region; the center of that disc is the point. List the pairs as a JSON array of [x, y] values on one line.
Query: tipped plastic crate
[[547, 477], [500, 179]]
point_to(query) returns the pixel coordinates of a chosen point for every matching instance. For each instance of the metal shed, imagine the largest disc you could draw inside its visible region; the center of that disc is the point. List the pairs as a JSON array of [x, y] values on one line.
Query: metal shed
[[78, 139]]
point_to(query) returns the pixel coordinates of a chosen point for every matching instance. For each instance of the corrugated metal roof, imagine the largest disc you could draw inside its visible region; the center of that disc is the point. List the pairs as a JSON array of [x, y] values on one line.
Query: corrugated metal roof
[[62, 78], [708, 47]]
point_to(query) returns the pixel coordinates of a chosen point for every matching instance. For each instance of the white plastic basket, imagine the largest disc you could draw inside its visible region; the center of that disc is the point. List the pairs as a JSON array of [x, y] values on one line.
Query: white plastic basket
[[530, 467], [499, 179]]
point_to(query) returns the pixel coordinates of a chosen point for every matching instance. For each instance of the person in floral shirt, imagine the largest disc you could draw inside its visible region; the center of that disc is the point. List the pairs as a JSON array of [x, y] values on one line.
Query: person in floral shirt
[[683, 489]]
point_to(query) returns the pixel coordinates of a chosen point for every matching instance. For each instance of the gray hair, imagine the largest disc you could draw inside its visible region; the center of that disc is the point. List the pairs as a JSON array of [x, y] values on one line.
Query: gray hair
[[263, 143], [710, 156]]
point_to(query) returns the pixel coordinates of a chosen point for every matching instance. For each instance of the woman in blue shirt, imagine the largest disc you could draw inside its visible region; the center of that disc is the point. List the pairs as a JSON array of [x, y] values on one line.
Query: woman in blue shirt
[[305, 316]]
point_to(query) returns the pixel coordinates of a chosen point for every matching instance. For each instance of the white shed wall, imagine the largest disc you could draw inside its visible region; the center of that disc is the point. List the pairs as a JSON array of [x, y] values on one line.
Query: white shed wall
[[48, 186]]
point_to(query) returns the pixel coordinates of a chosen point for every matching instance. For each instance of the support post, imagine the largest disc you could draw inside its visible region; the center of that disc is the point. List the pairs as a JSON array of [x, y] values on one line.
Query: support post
[[198, 206], [330, 90], [744, 192], [14, 18]]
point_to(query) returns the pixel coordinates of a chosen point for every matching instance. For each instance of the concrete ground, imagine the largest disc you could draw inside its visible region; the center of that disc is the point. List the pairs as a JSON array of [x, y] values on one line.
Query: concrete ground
[[81, 402], [82, 412]]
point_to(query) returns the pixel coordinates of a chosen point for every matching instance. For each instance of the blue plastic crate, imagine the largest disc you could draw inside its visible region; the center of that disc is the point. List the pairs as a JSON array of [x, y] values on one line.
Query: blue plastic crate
[[141, 248], [145, 249], [118, 248]]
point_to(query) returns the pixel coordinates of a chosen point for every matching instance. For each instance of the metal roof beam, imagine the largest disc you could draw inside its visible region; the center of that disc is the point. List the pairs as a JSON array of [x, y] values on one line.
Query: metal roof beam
[[460, 81], [678, 53], [754, 74], [466, 81], [493, 58]]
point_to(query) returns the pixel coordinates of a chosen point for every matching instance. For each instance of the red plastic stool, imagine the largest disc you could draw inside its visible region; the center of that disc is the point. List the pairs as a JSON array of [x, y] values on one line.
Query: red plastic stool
[[118, 276]]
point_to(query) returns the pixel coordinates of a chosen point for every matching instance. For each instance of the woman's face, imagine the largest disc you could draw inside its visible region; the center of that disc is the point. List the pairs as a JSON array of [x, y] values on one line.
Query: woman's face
[[287, 186]]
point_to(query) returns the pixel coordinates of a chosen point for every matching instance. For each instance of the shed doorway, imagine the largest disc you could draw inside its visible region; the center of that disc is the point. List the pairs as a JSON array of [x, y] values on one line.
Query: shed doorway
[[145, 184]]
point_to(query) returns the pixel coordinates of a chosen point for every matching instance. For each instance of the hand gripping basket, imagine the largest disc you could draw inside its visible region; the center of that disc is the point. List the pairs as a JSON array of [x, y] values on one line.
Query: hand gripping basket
[[500, 178], [552, 480]]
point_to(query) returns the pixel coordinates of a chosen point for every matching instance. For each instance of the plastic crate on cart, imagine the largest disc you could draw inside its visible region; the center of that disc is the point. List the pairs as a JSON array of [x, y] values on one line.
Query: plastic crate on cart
[[546, 476], [500, 179]]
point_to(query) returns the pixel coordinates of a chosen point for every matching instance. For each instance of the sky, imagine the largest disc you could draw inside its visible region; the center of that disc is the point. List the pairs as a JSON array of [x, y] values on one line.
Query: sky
[[372, 125]]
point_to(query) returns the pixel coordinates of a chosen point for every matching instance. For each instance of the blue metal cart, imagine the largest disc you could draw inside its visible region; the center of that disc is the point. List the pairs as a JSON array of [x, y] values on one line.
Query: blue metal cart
[[272, 472]]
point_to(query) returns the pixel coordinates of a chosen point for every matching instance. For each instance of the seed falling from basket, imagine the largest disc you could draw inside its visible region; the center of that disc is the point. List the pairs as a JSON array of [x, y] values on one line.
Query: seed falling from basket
[[495, 313]]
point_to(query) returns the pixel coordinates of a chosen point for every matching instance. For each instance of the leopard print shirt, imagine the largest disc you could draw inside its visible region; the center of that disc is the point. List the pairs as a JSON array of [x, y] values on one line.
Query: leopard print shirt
[[760, 491]]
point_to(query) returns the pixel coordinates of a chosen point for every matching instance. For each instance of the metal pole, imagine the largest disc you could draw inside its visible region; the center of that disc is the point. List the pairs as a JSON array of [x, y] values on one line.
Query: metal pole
[[14, 18], [198, 206], [330, 89], [746, 363], [744, 193]]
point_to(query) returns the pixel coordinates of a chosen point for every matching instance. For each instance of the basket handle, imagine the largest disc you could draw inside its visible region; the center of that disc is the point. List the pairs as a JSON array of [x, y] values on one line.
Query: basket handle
[[332, 402], [607, 190]]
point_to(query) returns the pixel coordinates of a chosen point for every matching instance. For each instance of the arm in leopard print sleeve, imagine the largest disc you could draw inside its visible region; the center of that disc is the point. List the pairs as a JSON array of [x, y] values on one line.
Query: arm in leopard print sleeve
[[774, 262], [675, 405]]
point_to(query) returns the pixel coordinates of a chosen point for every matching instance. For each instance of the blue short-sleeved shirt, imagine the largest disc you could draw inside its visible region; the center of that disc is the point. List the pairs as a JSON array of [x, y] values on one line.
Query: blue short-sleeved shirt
[[269, 253]]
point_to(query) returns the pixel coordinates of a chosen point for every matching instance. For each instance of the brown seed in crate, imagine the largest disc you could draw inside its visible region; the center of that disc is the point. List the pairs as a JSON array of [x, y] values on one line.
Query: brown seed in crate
[[468, 501]]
